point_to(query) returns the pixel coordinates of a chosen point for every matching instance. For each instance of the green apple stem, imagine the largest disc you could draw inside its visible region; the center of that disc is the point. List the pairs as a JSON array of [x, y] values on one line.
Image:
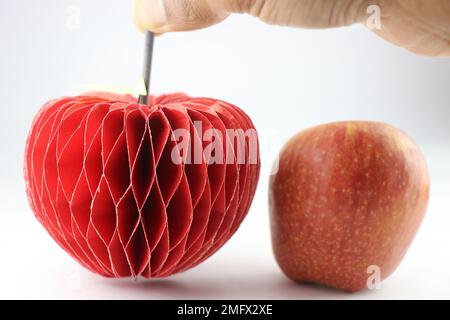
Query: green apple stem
[[149, 40]]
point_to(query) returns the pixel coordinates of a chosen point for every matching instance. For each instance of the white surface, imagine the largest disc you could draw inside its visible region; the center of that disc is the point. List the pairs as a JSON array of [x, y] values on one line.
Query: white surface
[[285, 79]]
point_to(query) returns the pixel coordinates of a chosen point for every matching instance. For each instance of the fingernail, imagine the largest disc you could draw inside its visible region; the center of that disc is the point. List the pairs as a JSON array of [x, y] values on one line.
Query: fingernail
[[153, 14]]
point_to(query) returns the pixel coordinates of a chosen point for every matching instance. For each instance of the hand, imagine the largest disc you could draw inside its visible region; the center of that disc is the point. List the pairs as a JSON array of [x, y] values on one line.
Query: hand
[[421, 26]]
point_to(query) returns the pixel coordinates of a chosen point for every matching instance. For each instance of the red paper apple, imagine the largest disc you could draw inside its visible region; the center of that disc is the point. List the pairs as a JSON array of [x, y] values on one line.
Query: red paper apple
[[346, 202], [117, 189]]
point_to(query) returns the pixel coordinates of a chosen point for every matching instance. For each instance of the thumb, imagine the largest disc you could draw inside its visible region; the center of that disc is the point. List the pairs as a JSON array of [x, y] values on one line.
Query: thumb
[[162, 16]]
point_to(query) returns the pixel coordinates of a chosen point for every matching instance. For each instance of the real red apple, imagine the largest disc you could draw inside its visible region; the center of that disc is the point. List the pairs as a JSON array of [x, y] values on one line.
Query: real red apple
[[347, 201]]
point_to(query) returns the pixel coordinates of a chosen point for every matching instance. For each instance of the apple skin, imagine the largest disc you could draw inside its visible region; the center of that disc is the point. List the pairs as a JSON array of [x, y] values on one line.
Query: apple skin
[[102, 180], [347, 196]]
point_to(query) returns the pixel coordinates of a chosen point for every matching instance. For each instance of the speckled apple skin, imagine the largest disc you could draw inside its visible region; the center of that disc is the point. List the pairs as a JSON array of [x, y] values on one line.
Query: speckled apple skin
[[347, 196]]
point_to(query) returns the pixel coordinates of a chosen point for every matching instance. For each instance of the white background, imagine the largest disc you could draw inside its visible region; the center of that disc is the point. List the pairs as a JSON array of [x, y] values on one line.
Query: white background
[[285, 79]]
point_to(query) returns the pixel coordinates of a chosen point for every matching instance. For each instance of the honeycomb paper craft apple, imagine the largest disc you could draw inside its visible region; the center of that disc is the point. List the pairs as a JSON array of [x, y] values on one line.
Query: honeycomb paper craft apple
[[346, 202], [112, 184]]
